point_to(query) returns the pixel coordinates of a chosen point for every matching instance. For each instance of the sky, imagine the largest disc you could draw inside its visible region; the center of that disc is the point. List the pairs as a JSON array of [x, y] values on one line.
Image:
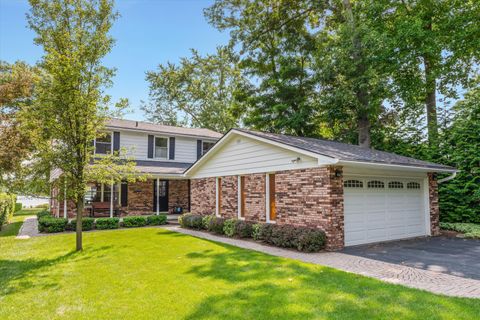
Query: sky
[[148, 33]]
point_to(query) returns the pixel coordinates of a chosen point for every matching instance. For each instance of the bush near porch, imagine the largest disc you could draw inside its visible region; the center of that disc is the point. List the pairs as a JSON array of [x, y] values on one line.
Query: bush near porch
[[49, 224], [285, 236]]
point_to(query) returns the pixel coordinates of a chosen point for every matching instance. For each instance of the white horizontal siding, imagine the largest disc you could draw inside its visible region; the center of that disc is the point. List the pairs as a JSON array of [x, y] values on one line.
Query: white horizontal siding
[[136, 144], [243, 155]]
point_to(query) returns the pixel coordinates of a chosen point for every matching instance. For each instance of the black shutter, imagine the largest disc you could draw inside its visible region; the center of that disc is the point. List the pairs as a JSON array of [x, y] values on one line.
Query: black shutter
[[154, 195], [124, 193], [199, 149], [116, 141], [150, 146], [171, 149]]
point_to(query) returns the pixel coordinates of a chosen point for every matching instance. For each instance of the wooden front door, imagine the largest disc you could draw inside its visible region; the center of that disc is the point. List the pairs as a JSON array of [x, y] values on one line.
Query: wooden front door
[[162, 195]]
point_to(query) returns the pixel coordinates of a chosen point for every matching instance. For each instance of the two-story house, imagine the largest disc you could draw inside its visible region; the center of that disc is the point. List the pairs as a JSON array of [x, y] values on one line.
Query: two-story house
[[161, 152]]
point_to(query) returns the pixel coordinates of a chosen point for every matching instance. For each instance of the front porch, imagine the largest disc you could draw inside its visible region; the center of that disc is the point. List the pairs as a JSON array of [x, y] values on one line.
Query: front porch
[[153, 196]]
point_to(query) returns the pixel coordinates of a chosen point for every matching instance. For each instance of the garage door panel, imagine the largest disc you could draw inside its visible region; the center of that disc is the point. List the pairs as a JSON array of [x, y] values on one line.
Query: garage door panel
[[376, 214]]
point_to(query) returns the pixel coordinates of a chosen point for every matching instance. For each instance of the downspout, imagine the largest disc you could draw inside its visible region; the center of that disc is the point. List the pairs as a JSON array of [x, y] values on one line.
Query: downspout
[[450, 177]]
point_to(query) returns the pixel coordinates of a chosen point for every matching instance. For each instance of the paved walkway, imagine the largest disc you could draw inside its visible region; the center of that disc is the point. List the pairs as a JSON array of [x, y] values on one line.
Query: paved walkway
[[394, 273], [29, 228]]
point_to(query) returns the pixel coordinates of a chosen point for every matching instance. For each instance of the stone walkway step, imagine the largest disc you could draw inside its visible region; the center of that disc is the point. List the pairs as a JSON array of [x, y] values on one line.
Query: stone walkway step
[[29, 228], [431, 281]]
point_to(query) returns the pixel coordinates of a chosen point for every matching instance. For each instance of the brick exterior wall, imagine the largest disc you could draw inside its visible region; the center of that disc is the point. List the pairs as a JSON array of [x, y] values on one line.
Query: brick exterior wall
[[434, 208], [140, 199], [202, 196], [178, 194], [306, 197]]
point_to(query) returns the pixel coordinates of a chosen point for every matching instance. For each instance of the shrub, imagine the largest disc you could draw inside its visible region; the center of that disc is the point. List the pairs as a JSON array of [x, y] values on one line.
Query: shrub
[[191, 221], [229, 227], [50, 224], [216, 225], [107, 223], [87, 224], [264, 231], [18, 206], [7, 207], [470, 230], [157, 220], [43, 213], [243, 229], [42, 206], [206, 221], [134, 221], [256, 231], [310, 240]]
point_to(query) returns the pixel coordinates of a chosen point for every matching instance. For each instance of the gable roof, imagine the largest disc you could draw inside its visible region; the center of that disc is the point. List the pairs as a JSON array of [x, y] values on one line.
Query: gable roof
[[331, 151], [142, 126], [345, 152]]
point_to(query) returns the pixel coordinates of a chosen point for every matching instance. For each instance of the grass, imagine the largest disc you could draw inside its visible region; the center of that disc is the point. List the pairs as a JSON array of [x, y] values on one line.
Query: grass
[[13, 227], [470, 230], [152, 273]]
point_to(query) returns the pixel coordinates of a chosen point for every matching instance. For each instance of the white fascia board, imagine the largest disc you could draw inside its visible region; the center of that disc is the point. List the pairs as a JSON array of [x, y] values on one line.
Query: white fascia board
[[392, 166], [322, 160]]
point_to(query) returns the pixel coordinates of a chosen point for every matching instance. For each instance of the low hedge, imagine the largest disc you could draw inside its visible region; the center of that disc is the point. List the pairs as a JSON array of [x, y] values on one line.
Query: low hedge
[[107, 223], [216, 225], [191, 221], [287, 236], [87, 224], [43, 213], [157, 220], [50, 224], [237, 228], [229, 227], [134, 221]]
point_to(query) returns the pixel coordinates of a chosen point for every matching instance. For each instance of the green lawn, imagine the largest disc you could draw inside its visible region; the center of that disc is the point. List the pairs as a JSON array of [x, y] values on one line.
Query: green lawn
[[13, 227], [152, 273]]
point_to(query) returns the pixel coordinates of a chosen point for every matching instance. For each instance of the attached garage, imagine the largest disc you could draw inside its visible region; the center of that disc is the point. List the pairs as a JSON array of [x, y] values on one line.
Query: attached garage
[[356, 195], [382, 209]]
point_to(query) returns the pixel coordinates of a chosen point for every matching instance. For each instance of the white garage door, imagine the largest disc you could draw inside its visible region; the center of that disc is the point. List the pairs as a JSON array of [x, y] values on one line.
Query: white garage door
[[383, 209]]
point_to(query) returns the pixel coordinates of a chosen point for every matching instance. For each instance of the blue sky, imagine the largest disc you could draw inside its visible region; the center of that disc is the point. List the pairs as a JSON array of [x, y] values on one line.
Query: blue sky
[[149, 32]]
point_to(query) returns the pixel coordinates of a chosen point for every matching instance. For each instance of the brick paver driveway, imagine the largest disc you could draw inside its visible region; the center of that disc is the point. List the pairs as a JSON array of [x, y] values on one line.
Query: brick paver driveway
[[454, 256]]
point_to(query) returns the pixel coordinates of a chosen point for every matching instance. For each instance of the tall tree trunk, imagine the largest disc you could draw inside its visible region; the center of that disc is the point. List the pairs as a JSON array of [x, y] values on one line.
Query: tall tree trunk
[[430, 101], [79, 225], [364, 126], [363, 122]]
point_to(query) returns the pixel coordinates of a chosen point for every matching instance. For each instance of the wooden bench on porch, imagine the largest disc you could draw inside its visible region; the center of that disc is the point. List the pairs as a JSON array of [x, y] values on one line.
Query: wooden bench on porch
[[104, 207]]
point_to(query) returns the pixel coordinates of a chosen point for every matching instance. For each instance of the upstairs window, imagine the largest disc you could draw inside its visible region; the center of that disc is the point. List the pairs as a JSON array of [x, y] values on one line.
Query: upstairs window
[[206, 146], [103, 144], [161, 148]]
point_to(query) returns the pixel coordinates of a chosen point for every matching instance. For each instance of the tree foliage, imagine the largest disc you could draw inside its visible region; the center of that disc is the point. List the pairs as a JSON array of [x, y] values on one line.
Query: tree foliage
[[200, 91], [70, 106]]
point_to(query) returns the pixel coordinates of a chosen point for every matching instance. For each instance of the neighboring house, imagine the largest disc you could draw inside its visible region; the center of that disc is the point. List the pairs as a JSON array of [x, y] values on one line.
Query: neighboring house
[[162, 152], [355, 195]]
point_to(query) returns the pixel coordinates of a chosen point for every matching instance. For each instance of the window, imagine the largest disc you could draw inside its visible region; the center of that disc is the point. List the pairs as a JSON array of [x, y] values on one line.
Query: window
[[413, 185], [101, 192], [241, 197], [270, 192], [103, 144], [218, 196], [161, 147], [395, 185], [353, 184], [206, 146], [375, 184]]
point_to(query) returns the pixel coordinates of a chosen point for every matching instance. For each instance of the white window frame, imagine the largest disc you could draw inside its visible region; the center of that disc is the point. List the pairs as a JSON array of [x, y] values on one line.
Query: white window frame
[[155, 146], [95, 145], [239, 198], [217, 194], [267, 198]]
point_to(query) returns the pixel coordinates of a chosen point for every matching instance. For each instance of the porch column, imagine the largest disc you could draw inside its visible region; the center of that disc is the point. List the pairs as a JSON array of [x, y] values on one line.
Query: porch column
[[158, 196], [65, 200], [111, 200]]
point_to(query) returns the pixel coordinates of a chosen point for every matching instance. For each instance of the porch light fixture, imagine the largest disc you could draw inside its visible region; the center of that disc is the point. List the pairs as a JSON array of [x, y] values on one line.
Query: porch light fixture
[[296, 160], [338, 173]]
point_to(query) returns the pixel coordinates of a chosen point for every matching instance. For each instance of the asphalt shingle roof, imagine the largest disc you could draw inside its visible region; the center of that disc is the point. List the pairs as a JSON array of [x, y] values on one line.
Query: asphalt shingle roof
[[344, 151], [158, 128]]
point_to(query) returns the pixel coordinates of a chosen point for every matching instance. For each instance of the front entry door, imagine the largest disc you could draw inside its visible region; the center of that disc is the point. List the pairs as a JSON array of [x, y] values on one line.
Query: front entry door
[[162, 195]]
